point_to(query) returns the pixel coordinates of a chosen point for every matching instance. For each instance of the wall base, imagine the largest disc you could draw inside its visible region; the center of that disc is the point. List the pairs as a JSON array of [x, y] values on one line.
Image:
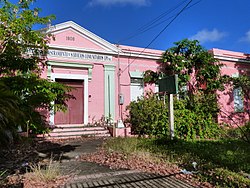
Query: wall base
[[120, 132]]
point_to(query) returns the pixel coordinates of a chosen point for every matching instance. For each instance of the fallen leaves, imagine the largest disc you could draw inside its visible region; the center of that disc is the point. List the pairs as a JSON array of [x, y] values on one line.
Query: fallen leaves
[[29, 182], [140, 161]]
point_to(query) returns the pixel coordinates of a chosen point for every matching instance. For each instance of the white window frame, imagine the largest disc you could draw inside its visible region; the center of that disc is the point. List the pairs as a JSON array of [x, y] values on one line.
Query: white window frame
[[139, 86], [238, 99]]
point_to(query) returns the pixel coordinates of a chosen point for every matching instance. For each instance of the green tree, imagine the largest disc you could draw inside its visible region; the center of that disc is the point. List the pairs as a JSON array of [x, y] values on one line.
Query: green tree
[[198, 71], [199, 79], [195, 66], [22, 59]]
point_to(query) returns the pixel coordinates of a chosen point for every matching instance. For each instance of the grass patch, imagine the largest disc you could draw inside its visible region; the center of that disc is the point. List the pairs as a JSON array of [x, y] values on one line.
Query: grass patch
[[225, 163], [45, 173], [123, 145]]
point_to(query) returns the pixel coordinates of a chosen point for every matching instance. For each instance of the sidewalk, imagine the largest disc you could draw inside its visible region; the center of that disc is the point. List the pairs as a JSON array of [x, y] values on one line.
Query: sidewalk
[[88, 174]]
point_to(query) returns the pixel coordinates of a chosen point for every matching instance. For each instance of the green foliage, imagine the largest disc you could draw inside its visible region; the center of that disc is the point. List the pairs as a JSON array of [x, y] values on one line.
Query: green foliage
[[192, 62], [9, 107], [37, 92], [242, 132], [148, 116], [196, 121], [22, 58], [195, 66], [150, 77], [10, 114], [224, 163], [227, 178], [198, 71], [36, 95], [17, 37]]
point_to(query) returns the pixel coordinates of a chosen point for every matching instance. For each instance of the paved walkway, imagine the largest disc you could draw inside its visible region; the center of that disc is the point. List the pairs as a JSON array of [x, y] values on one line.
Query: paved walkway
[[126, 179], [94, 175]]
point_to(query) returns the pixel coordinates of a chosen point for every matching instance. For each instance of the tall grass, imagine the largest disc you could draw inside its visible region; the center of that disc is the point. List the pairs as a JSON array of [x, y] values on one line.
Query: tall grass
[[225, 162], [45, 173]]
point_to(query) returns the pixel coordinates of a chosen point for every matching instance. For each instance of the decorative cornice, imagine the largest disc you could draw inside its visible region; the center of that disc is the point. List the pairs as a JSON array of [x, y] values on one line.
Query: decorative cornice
[[98, 40], [109, 48], [69, 48], [141, 55], [72, 65], [231, 59]]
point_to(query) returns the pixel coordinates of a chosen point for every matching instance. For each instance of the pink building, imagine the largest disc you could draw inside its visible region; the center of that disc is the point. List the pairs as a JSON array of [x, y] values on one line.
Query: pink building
[[107, 77], [234, 107], [89, 63]]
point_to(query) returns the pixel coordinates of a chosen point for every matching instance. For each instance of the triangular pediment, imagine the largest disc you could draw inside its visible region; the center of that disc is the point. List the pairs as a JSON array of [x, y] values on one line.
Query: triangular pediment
[[72, 36]]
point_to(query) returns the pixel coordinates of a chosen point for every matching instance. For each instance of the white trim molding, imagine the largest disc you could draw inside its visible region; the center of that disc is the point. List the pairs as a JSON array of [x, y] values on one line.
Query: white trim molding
[[232, 59], [78, 49], [55, 76]]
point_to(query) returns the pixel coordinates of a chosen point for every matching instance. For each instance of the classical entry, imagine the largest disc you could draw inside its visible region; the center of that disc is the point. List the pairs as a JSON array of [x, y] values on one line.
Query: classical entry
[[75, 111]]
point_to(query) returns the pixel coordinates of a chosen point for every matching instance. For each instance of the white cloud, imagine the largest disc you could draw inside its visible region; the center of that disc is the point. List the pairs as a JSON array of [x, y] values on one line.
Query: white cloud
[[208, 36], [246, 38], [119, 2]]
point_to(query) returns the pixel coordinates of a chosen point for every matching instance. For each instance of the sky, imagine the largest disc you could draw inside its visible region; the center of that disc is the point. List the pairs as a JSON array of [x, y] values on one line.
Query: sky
[[223, 24]]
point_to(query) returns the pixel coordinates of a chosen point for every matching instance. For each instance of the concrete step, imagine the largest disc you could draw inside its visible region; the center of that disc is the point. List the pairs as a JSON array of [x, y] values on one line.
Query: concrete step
[[70, 125], [76, 131], [75, 137]]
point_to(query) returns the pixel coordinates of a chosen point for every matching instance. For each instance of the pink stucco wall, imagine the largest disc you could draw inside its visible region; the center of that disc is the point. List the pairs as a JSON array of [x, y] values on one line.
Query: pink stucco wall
[[61, 70], [96, 94], [72, 38], [44, 73], [234, 63], [128, 64]]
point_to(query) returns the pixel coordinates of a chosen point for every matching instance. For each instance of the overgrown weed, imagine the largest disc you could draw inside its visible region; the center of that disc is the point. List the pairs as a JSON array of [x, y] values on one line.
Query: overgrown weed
[[44, 173]]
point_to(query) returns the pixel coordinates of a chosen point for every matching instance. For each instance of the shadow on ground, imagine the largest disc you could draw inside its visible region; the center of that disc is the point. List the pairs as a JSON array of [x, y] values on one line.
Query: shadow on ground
[[17, 158]]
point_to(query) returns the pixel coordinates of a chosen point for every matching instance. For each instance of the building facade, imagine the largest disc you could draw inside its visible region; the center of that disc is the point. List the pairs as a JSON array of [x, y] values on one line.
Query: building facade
[[107, 77]]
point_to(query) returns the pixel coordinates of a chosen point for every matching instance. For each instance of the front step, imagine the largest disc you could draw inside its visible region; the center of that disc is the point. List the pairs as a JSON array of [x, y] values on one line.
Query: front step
[[77, 131]]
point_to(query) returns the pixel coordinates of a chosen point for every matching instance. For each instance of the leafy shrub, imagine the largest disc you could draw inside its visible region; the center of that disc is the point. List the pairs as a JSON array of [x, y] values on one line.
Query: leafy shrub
[[194, 123], [35, 99], [10, 114], [148, 116], [23, 59]]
